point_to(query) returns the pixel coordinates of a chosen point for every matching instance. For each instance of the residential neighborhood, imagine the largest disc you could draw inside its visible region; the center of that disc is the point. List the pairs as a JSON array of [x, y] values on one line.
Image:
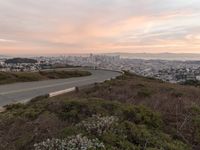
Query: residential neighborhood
[[170, 71]]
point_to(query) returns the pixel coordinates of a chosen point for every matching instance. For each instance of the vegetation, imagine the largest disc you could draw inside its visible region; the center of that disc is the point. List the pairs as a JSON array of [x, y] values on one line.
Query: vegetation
[[12, 77], [89, 123], [127, 113], [192, 83], [20, 60]]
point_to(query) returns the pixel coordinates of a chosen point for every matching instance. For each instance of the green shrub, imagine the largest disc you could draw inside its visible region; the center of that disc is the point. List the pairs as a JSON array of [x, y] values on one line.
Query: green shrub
[[177, 94], [77, 110], [195, 110], [32, 113], [15, 106], [142, 115], [39, 98], [144, 93]]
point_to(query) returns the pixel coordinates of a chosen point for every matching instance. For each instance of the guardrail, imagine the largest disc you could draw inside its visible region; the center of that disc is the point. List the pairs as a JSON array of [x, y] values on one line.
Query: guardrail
[[52, 94], [62, 92]]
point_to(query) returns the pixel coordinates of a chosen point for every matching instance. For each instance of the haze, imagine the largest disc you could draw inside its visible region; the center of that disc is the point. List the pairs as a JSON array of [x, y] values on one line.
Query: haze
[[99, 26]]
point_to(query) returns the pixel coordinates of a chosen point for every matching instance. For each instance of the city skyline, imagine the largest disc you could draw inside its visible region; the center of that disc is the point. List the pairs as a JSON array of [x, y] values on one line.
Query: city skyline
[[99, 26]]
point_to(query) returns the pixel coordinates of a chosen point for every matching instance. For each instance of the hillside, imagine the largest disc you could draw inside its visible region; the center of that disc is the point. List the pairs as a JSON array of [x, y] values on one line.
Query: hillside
[[127, 113], [13, 77], [20, 60]]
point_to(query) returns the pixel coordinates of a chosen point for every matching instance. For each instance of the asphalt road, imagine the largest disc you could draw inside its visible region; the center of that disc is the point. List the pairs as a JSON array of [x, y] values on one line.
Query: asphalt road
[[12, 93]]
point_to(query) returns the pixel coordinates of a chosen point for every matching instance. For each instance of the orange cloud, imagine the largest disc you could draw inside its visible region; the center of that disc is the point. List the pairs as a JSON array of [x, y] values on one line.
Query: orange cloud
[[96, 27]]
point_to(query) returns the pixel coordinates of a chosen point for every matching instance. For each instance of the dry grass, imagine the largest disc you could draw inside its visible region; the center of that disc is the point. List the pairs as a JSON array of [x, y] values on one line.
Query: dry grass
[[12, 77]]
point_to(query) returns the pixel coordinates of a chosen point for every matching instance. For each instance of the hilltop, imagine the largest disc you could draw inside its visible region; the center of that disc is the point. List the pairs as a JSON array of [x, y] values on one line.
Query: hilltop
[[129, 112], [20, 60]]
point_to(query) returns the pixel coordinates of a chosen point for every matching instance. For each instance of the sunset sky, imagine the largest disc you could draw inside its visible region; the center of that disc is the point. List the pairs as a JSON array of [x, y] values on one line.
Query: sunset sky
[[99, 26]]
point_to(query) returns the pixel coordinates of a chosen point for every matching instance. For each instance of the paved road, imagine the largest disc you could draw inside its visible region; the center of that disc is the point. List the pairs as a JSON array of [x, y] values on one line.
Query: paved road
[[12, 93]]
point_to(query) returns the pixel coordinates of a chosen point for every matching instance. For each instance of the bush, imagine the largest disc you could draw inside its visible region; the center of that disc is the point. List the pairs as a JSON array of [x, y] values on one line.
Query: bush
[[97, 125], [142, 115], [77, 142], [177, 94], [195, 110], [74, 111], [15, 106], [144, 93], [77, 110], [39, 98]]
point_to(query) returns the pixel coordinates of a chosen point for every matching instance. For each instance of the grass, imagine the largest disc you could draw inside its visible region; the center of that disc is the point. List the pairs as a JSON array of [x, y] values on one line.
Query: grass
[[148, 114], [10, 77]]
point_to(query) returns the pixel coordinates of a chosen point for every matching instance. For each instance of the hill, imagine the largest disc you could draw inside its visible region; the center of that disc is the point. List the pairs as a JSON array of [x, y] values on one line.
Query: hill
[[130, 112], [20, 60]]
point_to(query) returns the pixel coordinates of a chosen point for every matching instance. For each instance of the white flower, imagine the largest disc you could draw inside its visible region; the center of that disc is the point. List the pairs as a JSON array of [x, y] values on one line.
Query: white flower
[[97, 124], [77, 142]]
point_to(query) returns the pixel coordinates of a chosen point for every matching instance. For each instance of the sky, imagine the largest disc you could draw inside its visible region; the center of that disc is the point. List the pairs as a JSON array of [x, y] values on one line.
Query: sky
[[99, 26]]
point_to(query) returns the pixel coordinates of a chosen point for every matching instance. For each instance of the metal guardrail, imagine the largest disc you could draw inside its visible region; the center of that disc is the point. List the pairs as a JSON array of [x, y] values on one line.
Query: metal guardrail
[[62, 92]]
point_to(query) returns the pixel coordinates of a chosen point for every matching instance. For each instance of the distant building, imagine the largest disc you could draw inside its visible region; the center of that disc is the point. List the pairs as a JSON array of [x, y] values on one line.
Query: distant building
[[198, 78], [190, 77]]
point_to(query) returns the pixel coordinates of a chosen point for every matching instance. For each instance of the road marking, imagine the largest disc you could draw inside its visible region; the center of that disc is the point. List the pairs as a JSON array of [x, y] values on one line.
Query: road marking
[[42, 87]]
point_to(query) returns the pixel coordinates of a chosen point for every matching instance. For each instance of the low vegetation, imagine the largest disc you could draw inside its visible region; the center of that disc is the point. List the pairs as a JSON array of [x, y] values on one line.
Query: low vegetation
[[127, 113], [192, 83], [87, 123], [12, 77]]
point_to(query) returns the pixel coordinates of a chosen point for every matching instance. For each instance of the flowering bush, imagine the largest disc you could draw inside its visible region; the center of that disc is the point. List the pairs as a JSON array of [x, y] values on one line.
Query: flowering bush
[[53, 144], [98, 125], [77, 142], [83, 143]]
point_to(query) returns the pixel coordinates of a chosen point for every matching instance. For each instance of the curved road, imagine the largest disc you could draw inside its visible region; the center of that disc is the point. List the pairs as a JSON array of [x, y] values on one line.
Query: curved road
[[12, 93]]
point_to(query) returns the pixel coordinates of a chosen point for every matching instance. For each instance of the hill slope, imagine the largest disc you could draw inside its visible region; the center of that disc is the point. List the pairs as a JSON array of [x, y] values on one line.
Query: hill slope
[[108, 116], [12, 77], [20, 60]]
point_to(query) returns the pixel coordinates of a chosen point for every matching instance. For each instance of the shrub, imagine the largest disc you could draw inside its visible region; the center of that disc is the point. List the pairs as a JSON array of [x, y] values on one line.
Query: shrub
[[142, 115], [77, 142], [177, 94], [39, 98], [32, 113], [15, 106], [74, 111], [98, 125], [77, 110], [144, 93], [195, 112]]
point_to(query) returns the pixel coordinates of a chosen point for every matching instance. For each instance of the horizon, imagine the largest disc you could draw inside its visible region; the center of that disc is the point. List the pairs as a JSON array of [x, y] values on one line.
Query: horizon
[[142, 55], [99, 26]]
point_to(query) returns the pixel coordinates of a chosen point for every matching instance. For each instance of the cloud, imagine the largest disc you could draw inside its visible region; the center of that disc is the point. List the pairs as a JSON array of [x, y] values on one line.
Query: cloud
[[49, 26], [7, 41]]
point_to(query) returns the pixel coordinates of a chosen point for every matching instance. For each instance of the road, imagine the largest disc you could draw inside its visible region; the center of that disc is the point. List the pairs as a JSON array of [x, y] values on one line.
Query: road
[[12, 93]]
